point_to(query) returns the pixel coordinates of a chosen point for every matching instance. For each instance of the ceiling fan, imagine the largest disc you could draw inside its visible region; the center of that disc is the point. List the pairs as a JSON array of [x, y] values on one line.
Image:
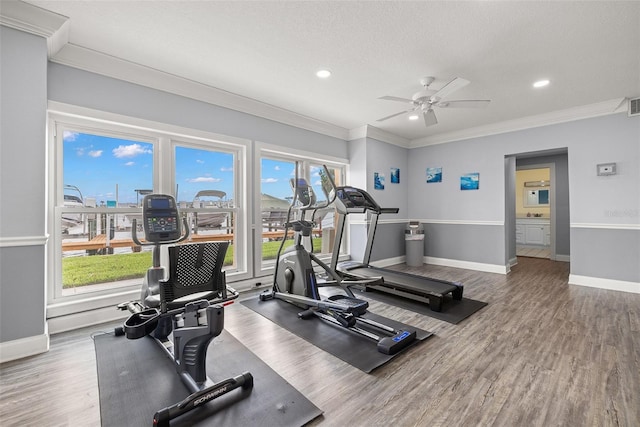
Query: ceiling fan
[[427, 98]]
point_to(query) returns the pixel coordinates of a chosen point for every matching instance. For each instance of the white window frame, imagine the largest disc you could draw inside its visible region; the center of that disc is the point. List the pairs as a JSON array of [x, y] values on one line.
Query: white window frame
[[305, 159], [164, 138], [242, 270]]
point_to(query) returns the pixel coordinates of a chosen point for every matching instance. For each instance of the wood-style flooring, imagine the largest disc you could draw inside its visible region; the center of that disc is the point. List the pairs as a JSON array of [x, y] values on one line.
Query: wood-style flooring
[[542, 353], [543, 252]]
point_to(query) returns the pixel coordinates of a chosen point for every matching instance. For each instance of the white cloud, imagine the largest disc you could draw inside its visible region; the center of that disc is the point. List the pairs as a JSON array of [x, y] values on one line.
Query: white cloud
[[130, 163], [199, 161], [226, 169], [130, 150], [95, 153], [269, 180], [69, 136], [204, 179], [277, 168]]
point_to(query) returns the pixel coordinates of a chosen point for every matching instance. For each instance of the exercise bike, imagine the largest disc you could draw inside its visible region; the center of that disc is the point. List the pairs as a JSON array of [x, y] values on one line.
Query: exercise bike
[[186, 312], [296, 282]]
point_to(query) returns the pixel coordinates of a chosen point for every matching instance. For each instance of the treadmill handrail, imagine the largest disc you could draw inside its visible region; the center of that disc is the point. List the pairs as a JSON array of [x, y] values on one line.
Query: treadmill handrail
[[389, 210]]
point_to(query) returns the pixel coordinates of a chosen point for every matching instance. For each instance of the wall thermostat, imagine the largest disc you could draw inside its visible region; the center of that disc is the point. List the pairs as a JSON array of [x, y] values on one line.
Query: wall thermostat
[[606, 169]]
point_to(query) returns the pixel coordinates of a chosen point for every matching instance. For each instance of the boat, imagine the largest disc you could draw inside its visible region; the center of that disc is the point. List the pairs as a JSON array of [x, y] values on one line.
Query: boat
[[273, 212], [210, 199], [72, 199]]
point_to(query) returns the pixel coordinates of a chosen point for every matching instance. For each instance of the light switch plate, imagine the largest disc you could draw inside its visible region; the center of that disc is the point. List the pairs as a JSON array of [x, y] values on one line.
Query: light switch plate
[[606, 169]]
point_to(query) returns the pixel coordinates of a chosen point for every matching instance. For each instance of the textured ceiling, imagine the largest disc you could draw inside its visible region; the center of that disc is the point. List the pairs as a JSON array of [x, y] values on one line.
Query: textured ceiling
[[269, 51]]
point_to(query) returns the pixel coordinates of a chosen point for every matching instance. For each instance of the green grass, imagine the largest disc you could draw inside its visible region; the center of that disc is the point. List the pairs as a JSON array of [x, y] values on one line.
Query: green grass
[[90, 270]]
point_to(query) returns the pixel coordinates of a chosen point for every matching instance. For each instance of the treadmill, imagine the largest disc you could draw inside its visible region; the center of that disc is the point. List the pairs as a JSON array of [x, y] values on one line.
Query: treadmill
[[418, 288]]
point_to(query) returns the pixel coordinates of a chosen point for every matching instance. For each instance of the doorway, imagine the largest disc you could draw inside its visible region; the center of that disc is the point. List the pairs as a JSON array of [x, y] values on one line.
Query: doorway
[[553, 232], [533, 205]]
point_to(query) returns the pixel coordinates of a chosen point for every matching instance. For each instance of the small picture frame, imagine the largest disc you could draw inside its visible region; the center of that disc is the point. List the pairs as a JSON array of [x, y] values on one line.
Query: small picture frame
[[470, 181], [434, 175], [378, 181], [395, 175]]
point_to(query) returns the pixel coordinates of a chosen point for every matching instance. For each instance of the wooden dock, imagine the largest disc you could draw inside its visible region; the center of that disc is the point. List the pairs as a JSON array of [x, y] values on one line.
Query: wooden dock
[[100, 241]]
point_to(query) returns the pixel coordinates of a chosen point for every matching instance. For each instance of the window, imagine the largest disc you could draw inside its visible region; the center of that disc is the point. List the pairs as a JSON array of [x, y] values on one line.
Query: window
[[206, 194], [103, 177], [277, 170], [100, 173]]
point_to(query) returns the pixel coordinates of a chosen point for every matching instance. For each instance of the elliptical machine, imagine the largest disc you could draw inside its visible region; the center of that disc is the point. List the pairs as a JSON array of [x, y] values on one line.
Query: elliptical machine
[[296, 282], [189, 306]]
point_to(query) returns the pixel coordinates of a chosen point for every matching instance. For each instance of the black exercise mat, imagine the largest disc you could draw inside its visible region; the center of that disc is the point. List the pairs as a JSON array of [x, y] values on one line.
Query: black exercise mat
[[348, 346], [453, 311], [136, 379]]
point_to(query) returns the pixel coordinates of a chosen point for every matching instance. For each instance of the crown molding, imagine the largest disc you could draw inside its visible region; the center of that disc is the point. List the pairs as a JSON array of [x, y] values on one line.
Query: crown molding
[[368, 131], [555, 117], [384, 136], [55, 28], [96, 62], [34, 20], [357, 133]]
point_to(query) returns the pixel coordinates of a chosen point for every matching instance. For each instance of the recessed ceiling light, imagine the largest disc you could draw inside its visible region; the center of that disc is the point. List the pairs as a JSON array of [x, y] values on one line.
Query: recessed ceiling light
[[414, 117], [541, 83], [323, 74]]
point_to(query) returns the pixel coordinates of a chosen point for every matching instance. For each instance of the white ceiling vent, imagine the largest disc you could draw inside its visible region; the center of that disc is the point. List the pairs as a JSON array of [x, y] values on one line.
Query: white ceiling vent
[[634, 107]]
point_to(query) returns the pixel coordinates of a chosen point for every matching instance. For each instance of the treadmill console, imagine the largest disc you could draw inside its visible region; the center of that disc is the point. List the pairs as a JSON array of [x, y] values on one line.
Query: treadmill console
[[160, 218], [352, 197]]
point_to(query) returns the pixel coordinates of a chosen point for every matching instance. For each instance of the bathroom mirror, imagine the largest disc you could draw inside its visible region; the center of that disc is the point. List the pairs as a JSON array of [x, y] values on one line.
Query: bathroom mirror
[[534, 198]]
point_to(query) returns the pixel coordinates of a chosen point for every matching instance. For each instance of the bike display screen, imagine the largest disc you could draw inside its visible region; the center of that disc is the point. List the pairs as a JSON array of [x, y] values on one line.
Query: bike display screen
[[160, 217]]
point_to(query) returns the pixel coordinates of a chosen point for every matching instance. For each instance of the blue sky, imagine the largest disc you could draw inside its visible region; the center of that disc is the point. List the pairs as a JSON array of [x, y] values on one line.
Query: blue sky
[[95, 164]]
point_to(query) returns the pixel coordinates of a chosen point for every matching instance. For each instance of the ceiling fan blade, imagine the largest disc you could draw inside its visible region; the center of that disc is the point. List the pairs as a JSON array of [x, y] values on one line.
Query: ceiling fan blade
[[429, 118], [395, 98], [449, 88], [467, 103], [393, 115]]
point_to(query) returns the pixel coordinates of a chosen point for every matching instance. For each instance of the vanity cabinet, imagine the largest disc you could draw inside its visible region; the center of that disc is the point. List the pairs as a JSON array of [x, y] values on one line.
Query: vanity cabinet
[[533, 231]]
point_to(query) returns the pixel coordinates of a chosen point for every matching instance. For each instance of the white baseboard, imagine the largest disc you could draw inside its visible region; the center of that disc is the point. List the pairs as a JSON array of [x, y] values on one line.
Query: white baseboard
[[597, 282], [382, 263], [468, 265], [24, 347], [563, 258]]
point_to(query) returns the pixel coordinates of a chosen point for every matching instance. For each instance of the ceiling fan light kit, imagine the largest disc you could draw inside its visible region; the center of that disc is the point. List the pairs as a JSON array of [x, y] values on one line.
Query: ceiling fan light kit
[[427, 98]]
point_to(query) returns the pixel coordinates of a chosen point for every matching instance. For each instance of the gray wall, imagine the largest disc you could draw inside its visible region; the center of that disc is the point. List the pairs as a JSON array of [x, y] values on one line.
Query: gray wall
[[367, 156], [23, 85], [73, 86], [597, 205], [381, 157]]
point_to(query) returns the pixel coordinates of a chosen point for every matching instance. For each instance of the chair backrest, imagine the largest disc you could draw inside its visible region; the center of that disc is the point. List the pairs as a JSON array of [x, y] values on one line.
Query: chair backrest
[[195, 272]]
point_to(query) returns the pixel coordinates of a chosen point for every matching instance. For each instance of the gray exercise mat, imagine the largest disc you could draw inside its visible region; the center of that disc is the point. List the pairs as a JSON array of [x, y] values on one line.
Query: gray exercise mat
[[346, 345], [136, 379], [453, 311]]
